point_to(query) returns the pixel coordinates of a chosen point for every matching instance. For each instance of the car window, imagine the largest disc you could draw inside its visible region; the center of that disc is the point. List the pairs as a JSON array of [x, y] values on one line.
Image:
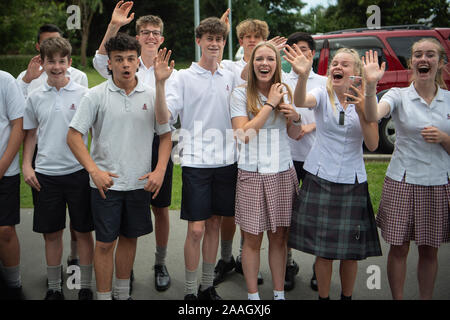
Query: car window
[[402, 47], [360, 44]]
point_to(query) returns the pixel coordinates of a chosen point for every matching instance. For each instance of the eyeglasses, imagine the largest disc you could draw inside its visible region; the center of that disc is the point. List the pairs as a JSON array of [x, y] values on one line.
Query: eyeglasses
[[146, 33]]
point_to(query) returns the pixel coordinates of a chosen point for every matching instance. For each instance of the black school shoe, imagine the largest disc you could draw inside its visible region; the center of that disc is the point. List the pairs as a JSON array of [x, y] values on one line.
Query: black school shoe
[[54, 295], [162, 278], [289, 279], [222, 268], [85, 294], [190, 297], [208, 294], [238, 269]]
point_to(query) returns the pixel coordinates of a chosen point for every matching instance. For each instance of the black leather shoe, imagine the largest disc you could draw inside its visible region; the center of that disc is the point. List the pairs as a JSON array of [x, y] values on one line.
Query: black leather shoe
[[289, 279], [208, 294], [313, 282], [54, 295], [190, 297], [238, 269], [222, 268], [85, 294], [73, 262], [162, 278]]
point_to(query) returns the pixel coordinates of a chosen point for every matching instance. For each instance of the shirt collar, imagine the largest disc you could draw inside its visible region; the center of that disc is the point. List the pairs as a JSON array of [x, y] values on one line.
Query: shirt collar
[[113, 87], [142, 65], [198, 69], [69, 86], [413, 95]]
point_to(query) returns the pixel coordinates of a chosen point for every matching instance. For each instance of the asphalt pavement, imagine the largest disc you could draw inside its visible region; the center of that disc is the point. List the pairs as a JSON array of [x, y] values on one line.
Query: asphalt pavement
[[371, 282]]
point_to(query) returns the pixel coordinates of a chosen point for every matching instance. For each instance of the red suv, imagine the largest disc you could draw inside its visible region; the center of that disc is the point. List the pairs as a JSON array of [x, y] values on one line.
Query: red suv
[[393, 45]]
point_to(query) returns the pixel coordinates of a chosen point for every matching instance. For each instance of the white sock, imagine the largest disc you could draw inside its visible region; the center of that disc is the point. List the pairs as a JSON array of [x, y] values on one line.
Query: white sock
[[122, 289], [278, 295], [253, 296], [104, 295]]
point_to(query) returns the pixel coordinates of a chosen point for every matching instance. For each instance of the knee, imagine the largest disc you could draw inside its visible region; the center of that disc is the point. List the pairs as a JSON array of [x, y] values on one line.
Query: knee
[[400, 252], [427, 253], [104, 247], [53, 237], [7, 233], [196, 233]]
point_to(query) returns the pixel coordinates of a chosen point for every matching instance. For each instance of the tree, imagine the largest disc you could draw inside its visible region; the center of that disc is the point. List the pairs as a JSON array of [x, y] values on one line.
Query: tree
[[88, 9]]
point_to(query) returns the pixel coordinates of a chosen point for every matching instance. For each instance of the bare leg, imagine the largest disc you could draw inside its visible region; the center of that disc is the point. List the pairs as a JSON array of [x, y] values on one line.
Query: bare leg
[[324, 269], [396, 269], [9, 246], [104, 265], [348, 270], [277, 257], [426, 271], [251, 259]]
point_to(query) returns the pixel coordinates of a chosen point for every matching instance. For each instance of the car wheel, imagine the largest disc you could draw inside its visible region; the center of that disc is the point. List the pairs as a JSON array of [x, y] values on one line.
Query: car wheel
[[387, 136]]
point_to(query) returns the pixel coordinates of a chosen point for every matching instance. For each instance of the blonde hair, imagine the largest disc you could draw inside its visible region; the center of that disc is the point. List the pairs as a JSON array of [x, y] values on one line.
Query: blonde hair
[[259, 27], [358, 67], [439, 79], [254, 102]]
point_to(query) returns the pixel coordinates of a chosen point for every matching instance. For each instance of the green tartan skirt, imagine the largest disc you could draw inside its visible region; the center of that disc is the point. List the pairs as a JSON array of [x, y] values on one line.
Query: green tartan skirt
[[334, 221]]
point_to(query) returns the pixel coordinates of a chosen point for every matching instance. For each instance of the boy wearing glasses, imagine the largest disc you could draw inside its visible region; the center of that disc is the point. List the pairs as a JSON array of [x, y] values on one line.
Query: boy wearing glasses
[[149, 33]]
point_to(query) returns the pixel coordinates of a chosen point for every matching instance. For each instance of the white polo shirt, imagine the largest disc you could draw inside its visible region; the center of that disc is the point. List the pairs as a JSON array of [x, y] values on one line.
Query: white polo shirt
[[236, 67], [422, 163], [50, 111], [301, 148], [12, 105], [146, 75], [202, 100], [269, 151], [123, 127], [337, 154], [72, 73]]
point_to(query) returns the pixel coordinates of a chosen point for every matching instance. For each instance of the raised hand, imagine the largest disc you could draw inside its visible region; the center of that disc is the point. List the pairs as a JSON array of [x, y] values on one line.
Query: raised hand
[[34, 70], [300, 63], [225, 18], [278, 42], [161, 64], [120, 14], [372, 70]]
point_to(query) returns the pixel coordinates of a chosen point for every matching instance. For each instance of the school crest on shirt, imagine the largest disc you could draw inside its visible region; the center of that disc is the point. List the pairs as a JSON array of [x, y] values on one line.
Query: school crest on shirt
[[72, 107], [448, 116], [144, 107], [228, 88]]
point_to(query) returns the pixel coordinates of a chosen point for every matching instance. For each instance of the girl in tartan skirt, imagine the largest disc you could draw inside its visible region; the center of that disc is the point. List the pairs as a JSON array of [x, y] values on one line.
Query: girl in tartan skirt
[[267, 184], [416, 193], [335, 219]]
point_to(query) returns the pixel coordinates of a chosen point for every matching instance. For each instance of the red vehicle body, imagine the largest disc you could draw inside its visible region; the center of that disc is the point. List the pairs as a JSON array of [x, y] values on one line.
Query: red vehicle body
[[393, 45]]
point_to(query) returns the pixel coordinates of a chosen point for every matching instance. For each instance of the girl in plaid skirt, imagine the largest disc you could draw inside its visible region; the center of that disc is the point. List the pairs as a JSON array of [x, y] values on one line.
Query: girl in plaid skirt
[[416, 192], [267, 183], [334, 219]]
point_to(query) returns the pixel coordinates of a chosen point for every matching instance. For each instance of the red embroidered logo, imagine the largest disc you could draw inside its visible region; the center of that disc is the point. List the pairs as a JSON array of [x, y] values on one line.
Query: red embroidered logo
[[144, 107], [72, 107], [448, 116], [228, 88]]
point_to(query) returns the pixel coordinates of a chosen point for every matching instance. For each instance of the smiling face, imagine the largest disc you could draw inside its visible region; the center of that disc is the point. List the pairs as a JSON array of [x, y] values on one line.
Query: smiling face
[[123, 65], [264, 63], [211, 45], [425, 61], [56, 68], [150, 38], [341, 68]]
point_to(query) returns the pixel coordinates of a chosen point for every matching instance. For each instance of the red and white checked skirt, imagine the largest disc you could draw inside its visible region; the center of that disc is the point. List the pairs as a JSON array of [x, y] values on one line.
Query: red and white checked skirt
[[413, 212], [264, 201]]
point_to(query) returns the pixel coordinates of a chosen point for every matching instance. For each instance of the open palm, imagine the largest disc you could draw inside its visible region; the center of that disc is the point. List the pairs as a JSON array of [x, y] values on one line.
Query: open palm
[[120, 13], [301, 64], [163, 69], [372, 70]]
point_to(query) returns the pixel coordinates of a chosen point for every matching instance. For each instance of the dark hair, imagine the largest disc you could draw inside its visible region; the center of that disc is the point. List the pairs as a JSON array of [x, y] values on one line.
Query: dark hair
[[50, 46], [122, 42], [213, 26], [301, 36], [48, 28]]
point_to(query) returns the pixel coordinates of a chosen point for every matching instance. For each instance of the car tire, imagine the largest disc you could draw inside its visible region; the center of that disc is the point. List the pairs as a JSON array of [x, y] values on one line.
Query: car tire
[[387, 135]]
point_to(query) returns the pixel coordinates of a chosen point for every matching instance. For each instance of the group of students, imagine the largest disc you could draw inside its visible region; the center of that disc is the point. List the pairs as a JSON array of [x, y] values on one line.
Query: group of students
[[249, 134]]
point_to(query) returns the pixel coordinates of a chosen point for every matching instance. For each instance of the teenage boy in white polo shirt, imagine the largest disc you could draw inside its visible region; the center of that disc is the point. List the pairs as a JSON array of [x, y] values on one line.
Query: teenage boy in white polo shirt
[[11, 135], [200, 96], [301, 146], [58, 177], [34, 77], [149, 33], [124, 113]]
